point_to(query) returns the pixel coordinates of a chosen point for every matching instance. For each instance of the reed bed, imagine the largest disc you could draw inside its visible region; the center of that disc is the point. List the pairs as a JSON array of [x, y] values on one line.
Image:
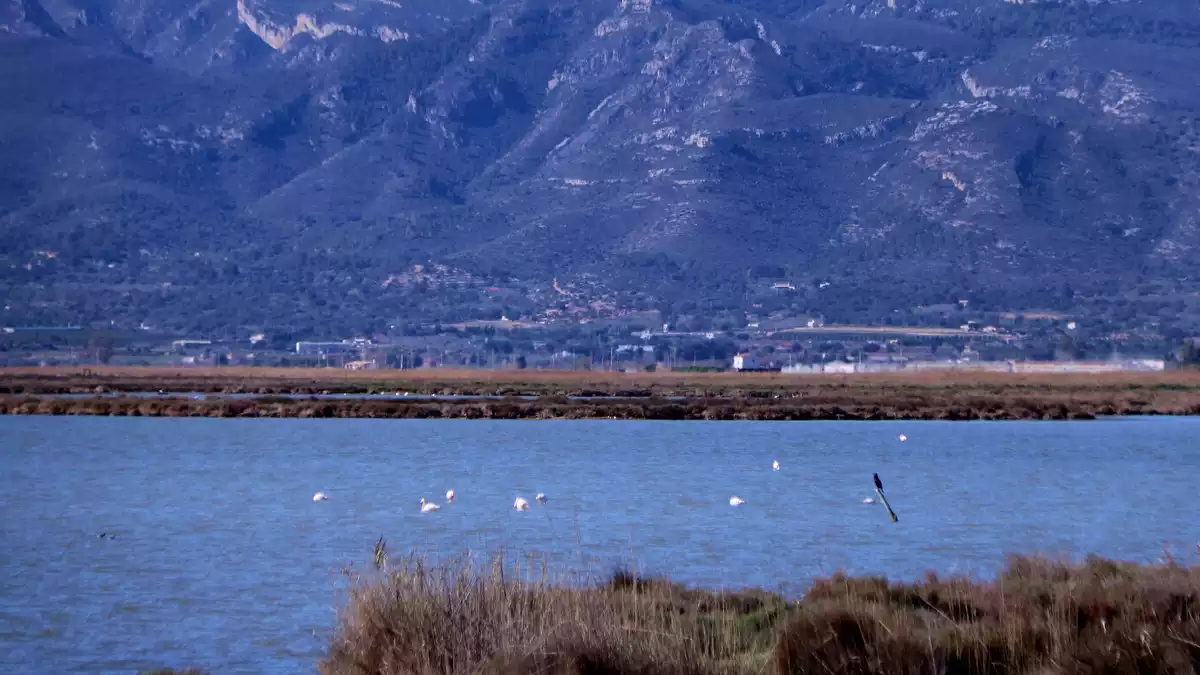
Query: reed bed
[[580, 395], [909, 405], [456, 617], [263, 380], [1037, 617]]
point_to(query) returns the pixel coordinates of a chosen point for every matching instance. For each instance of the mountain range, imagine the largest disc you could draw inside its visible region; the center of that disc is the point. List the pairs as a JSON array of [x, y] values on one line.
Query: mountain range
[[208, 165]]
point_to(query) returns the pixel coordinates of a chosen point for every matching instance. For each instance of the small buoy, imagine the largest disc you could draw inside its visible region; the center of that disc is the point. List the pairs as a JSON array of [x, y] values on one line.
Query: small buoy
[[903, 437], [869, 500], [775, 465], [449, 495], [520, 504], [541, 498], [735, 500], [320, 497]]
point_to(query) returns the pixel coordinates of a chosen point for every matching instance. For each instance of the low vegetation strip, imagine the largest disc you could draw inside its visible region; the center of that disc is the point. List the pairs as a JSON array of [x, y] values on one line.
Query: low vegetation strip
[[63, 380], [265, 392], [1038, 616], [825, 404], [899, 407]]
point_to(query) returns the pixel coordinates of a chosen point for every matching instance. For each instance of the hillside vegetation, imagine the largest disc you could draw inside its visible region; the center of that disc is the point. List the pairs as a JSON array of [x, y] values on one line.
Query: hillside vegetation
[[256, 164]]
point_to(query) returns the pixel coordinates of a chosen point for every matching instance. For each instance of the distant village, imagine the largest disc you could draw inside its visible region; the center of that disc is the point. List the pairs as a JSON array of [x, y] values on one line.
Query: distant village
[[581, 324], [812, 347]]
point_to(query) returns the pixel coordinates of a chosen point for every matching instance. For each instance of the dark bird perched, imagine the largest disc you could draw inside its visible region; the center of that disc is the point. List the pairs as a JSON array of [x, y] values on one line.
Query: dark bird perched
[[882, 498]]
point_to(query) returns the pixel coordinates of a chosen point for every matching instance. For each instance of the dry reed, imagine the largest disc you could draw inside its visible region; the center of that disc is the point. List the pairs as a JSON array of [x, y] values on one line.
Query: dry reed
[[424, 619], [1038, 616], [836, 406], [62, 379]]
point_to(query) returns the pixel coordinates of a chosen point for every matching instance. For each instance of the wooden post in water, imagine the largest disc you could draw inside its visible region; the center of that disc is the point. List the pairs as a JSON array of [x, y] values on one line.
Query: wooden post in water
[[879, 491]]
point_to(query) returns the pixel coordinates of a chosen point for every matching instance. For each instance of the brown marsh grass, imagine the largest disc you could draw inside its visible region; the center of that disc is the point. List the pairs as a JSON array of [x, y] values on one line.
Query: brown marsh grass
[[457, 617], [149, 378], [1037, 617], [717, 396]]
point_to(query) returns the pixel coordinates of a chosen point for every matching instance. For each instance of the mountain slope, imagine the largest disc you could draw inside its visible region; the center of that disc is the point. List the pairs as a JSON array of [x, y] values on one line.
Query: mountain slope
[[879, 155]]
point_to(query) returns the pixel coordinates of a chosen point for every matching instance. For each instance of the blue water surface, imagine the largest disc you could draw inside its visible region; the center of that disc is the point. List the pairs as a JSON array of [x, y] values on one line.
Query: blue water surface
[[221, 558]]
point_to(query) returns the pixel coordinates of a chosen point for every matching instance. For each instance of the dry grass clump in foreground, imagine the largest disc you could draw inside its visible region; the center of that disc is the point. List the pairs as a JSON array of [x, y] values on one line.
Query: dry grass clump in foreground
[[457, 618], [1038, 617]]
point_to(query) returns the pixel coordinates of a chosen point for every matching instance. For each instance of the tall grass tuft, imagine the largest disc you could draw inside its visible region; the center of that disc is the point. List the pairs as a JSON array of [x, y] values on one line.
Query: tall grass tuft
[[460, 617], [1038, 616]]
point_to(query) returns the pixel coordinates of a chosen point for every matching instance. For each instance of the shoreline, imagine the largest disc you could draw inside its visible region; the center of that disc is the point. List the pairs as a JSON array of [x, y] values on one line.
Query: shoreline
[[280, 393], [561, 408], [413, 616]]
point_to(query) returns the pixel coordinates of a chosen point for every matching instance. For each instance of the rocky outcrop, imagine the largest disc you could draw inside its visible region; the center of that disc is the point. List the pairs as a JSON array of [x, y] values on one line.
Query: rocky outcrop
[[279, 35]]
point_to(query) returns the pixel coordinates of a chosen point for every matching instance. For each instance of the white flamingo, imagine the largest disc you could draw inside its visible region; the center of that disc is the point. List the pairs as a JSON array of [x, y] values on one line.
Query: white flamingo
[[735, 500], [449, 496], [320, 497], [540, 498], [521, 504], [427, 506], [775, 465]]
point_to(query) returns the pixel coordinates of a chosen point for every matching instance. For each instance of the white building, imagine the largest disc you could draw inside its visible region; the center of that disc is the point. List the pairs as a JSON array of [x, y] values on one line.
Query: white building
[[745, 362]]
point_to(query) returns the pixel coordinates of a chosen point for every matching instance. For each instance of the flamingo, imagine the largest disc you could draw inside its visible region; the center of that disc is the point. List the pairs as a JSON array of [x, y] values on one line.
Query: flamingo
[[427, 506], [735, 500], [320, 497], [520, 504], [540, 498], [449, 496]]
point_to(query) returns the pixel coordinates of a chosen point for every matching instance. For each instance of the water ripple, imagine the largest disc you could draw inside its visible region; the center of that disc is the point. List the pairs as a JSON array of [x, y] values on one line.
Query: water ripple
[[221, 559]]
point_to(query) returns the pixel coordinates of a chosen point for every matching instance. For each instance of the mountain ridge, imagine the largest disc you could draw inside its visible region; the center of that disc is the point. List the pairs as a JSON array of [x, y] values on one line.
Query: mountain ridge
[[675, 153]]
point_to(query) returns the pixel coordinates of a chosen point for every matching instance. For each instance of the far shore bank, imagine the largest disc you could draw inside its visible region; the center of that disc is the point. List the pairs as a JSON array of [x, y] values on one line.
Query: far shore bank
[[280, 392], [557, 407], [486, 382]]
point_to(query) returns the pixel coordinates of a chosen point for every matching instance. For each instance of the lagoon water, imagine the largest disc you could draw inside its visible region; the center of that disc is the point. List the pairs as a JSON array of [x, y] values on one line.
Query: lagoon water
[[222, 560]]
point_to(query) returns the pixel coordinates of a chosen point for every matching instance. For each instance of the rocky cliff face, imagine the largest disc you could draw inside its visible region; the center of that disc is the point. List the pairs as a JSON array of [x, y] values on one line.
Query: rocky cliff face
[[952, 144]]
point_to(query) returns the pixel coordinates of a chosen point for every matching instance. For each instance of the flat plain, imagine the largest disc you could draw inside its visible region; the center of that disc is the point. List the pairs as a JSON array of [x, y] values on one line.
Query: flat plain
[[521, 394]]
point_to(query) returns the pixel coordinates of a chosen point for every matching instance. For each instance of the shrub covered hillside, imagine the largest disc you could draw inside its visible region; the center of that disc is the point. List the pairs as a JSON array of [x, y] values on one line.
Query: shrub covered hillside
[[1037, 617], [203, 166]]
